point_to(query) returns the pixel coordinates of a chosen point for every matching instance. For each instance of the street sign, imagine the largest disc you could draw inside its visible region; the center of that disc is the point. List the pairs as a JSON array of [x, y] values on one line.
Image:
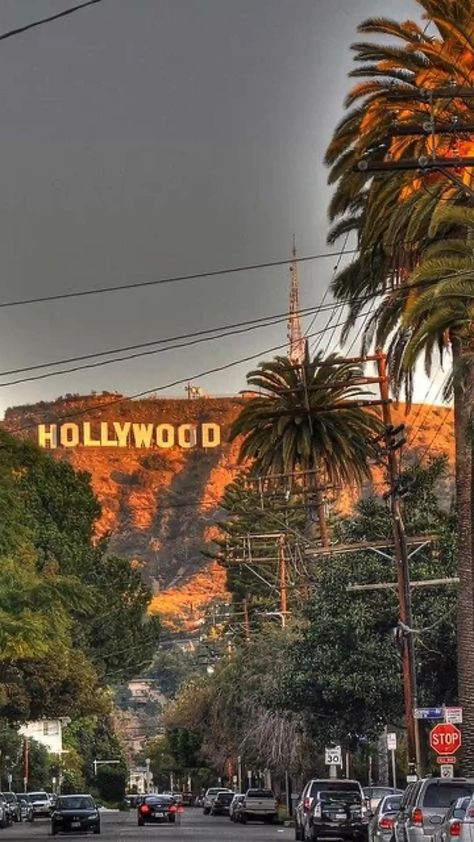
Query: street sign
[[453, 715], [447, 771], [429, 713], [333, 756], [445, 759], [445, 738], [391, 742]]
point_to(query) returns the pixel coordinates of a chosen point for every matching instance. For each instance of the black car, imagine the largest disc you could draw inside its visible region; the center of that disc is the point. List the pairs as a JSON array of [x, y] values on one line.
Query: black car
[[77, 813], [157, 808], [221, 804], [337, 815]]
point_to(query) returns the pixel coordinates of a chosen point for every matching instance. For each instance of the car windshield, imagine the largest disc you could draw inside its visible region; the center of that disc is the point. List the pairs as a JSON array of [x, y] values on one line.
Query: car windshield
[[10, 796], [260, 793], [76, 802], [442, 795], [38, 796], [335, 796], [225, 797], [158, 799], [338, 786], [391, 804]]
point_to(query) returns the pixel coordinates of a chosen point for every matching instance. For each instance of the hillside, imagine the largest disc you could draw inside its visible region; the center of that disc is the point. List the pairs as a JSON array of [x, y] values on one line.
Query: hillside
[[160, 501]]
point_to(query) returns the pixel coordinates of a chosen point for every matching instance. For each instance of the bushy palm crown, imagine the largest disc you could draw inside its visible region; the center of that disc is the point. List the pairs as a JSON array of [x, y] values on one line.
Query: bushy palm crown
[[308, 418], [391, 214]]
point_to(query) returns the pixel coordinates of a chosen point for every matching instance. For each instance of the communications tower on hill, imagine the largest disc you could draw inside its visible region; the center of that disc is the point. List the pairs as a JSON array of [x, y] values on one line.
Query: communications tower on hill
[[296, 340]]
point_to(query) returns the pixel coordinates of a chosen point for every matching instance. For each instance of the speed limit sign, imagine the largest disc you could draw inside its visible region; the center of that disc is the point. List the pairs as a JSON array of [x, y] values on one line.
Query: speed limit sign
[[333, 756]]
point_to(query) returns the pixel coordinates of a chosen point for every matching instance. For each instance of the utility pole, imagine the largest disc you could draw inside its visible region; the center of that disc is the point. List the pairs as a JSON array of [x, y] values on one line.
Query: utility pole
[[403, 573], [245, 606], [283, 583]]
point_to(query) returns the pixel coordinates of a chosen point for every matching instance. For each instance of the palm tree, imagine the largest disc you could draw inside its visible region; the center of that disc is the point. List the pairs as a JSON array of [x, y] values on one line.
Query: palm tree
[[414, 235], [310, 419], [439, 313]]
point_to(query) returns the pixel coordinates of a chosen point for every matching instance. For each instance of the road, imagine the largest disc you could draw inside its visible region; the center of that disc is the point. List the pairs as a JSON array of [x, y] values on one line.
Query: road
[[122, 827]]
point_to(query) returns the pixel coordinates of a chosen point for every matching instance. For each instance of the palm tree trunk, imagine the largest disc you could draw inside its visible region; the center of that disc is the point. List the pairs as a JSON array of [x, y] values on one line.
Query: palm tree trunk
[[463, 404], [316, 486]]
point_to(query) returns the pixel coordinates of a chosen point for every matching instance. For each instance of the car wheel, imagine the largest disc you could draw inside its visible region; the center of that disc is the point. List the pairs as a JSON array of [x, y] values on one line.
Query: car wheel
[[206, 811], [298, 836], [96, 830], [141, 823], [53, 831], [243, 818], [172, 819]]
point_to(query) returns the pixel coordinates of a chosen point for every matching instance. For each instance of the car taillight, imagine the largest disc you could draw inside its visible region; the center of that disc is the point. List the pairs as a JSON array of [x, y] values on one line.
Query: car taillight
[[307, 804], [417, 817], [144, 808], [173, 808], [385, 823], [455, 829], [470, 813]]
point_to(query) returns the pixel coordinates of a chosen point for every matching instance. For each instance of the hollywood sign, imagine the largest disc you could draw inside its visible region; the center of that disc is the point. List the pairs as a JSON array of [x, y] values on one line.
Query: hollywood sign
[[129, 434]]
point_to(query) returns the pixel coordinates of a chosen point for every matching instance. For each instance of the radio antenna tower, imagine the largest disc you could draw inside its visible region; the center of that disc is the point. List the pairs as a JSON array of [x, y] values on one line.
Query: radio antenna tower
[[296, 350]]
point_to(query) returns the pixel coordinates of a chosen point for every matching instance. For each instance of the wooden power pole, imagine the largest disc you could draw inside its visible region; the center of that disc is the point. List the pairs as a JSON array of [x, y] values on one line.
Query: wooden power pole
[[403, 573]]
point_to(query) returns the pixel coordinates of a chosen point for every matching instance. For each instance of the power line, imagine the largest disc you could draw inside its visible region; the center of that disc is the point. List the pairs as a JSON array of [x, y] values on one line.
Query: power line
[[19, 30], [195, 337], [251, 267], [162, 388]]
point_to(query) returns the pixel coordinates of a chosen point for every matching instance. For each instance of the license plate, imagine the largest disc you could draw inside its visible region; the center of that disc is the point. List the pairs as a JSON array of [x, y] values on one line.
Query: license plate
[[160, 815], [340, 816], [75, 824]]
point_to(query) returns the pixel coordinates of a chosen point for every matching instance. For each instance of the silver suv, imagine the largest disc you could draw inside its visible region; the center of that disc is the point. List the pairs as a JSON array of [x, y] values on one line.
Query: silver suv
[[424, 806]]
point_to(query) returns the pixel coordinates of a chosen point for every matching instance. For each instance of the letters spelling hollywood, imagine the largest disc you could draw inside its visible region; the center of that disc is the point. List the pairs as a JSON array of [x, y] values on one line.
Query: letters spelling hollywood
[[129, 434]]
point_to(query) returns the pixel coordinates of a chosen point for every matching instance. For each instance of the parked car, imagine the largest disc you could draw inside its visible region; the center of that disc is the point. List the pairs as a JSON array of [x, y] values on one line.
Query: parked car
[[188, 799], [41, 802], [381, 822], [374, 794], [258, 805], [424, 806], [337, 815], [157, 809], [75, 813], [5, 815], [13, 806], [452, 824], [235, 804], [132, 801], [199, 800], [26, 807], [310, 795], [210, 796], [221, 804]]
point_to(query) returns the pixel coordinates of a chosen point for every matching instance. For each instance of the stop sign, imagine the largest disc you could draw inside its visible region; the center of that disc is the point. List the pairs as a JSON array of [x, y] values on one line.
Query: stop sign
[[445, 738]]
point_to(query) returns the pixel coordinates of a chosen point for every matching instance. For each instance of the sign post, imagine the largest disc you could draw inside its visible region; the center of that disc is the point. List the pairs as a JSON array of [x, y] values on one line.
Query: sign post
[[333, 759], [392, 747]]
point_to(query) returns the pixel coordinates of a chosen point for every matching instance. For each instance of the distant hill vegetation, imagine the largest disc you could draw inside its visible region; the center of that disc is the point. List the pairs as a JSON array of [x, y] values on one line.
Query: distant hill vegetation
[[160, 504]]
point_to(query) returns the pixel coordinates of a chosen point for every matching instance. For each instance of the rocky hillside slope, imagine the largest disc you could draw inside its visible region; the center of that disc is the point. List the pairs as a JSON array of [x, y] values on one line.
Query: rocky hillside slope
[[160, 502]]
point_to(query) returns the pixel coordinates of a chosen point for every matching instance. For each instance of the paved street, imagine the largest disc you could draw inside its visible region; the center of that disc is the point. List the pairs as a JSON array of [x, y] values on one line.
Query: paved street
[[122, 827]]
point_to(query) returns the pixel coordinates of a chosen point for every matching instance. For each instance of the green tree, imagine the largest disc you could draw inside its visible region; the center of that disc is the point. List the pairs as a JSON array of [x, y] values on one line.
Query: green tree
[[309, 419], [344, 670], [111, 783], [64, 602]]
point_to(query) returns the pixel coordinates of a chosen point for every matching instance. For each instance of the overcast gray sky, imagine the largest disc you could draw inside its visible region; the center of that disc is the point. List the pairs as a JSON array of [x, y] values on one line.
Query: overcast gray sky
[[145, 138]]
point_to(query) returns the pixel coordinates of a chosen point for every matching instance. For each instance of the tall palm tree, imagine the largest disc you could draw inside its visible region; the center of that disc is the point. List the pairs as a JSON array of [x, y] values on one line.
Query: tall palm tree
[[439, 313], [400, 221], [309, 419]]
